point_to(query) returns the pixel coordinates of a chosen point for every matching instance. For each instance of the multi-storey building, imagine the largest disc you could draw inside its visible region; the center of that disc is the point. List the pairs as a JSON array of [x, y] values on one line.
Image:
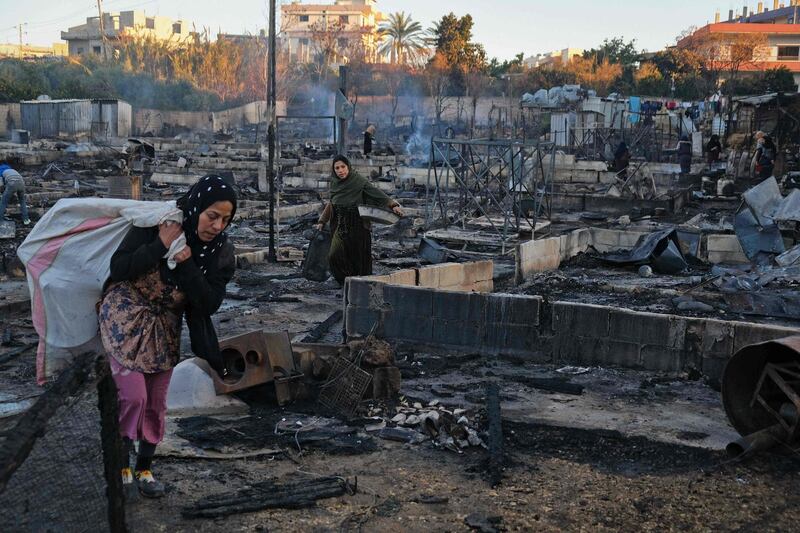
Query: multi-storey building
[[348, 26], [87, 39], [558, 56], [779, 26]]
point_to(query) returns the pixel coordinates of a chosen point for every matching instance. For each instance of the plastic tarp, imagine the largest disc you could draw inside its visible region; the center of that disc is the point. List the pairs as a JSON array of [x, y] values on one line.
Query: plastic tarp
[[67, 257]]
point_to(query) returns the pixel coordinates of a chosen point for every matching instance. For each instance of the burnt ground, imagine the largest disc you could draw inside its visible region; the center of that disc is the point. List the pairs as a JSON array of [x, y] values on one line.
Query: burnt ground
[[603, 450], [585, 278]]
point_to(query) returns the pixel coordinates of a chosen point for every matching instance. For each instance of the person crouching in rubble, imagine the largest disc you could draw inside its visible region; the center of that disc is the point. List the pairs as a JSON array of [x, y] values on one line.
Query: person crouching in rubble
[[142, 308], [351, 247], [14, 186]]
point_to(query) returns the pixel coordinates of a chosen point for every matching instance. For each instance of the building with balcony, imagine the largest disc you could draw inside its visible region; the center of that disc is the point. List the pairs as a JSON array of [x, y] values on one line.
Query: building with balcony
[[86, 39], [779, 26], [348, 26]]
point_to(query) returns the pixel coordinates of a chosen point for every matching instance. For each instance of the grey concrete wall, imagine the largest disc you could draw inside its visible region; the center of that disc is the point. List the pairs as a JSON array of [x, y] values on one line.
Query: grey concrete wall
[[153, 120], [10, 118], [555, 332]]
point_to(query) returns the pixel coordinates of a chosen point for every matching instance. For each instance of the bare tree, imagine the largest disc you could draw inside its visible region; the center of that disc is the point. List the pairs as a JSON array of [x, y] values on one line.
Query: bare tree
[[325, 39], [476, 85], [437, 81]]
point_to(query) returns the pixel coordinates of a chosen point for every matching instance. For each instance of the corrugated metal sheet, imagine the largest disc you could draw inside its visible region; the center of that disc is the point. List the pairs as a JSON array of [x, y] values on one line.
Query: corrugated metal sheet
[[111, 118], [54, 118], [73, 118]]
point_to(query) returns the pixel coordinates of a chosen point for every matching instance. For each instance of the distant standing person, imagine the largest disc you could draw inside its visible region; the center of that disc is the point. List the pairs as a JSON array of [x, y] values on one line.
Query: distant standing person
[[713, 149], [351, 246], [622, 159], [766, 158], [369, 138], [685, 154], [14, 186]]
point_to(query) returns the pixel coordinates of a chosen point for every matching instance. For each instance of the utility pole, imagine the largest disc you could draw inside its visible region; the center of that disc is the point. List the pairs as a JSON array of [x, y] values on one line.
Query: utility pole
[[271, 105], [102, 28], [341, 140], [19, 27]]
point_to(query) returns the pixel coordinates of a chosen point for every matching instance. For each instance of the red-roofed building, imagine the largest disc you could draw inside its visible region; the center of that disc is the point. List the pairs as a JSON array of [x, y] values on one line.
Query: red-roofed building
[[778, 31]]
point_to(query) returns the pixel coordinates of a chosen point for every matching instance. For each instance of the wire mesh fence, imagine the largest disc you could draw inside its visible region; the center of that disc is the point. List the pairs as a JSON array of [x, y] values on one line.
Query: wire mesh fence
[[60, 462]]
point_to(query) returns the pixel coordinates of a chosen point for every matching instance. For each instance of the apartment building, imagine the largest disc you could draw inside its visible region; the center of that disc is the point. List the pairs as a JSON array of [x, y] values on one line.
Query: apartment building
[[87, 39], [778, 23], [349, 22]]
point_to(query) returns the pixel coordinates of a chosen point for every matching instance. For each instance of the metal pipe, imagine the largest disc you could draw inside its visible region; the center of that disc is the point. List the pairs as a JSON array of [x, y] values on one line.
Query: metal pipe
[[757, 442]]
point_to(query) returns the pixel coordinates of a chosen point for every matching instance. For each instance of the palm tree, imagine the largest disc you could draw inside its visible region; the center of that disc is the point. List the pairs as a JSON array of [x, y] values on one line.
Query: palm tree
[[404, 38]]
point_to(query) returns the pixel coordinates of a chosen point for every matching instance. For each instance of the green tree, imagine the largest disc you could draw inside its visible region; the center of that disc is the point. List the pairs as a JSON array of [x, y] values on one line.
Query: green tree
[[614, 51], [497, 69], [452, 37], [404, 39], [779, 80]]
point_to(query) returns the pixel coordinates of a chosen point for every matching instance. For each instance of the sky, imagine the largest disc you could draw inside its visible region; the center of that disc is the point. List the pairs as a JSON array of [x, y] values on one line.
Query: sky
[[504, 27]]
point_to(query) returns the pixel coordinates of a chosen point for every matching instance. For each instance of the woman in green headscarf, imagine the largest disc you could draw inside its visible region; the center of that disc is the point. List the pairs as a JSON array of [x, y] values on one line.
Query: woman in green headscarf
[[351, 247]]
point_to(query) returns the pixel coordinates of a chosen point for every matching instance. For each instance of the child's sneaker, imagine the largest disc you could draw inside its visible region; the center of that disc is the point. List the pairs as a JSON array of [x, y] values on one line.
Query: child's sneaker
[[129, 489], [148, 486]]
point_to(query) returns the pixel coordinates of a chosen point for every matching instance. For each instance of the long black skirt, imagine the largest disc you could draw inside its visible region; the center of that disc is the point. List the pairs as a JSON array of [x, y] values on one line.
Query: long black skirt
[[351, 245]]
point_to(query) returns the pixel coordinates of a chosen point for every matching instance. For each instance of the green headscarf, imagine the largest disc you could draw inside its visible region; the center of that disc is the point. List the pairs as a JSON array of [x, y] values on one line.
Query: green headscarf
[[355, 189]]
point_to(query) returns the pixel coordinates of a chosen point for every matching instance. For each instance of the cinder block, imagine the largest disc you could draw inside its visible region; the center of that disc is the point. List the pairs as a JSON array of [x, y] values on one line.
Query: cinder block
[[576, 349], [585, 319], [647, 328], [456, 332], [404, 277], [521, 338], [624, 354], [746, 333], [478, 271], [659, 358], [412, 301], [359, 320], [584, 176], [452, 305], [485, 286], [574, 243], [513, 309], [408, 327], [362, 292], [539, 256], [708, 338], [450, 275], [428, 277]]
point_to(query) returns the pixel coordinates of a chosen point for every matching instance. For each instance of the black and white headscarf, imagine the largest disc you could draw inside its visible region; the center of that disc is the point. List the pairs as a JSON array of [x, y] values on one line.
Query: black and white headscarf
[[203, 194]]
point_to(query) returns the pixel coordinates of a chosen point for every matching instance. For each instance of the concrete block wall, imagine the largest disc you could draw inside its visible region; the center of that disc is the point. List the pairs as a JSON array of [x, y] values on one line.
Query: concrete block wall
[[555, 332], [543, 255], [476, 276], [471, 320]]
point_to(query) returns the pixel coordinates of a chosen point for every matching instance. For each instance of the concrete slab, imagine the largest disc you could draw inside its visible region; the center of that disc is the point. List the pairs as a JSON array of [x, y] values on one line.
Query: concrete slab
[[191, 392], [7, 229]]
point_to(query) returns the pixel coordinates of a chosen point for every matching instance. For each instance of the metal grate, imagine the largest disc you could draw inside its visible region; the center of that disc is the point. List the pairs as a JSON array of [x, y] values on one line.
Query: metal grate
[[347, 385]]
